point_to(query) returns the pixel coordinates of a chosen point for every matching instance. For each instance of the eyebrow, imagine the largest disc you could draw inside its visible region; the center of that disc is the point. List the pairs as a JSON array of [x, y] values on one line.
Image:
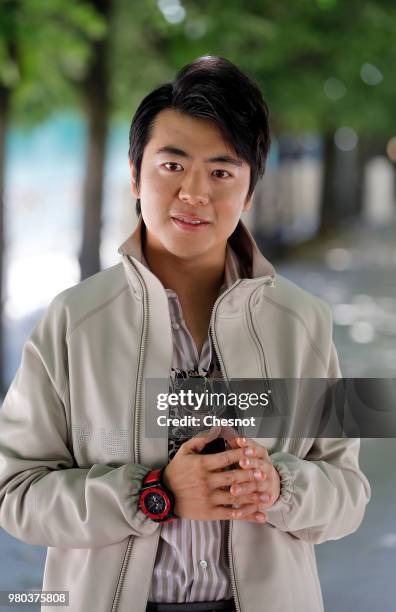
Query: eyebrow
[[223, 159]]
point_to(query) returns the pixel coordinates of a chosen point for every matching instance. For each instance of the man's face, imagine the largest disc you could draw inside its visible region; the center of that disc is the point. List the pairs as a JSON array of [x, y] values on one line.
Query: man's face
[[189, 173]]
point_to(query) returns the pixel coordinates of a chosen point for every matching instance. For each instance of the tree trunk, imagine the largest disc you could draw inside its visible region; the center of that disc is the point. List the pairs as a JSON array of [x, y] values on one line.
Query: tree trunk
[[394, 183], [346, 185], [328, 211], [4, 107], [361, 175], [97, 105]]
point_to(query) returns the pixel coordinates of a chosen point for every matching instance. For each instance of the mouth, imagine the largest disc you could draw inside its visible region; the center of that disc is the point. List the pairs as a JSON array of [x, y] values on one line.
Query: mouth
[[189, 222]]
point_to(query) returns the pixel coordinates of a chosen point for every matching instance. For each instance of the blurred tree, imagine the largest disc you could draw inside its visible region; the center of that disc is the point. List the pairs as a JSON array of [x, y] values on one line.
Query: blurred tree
[[96, 98], [8, 79], [41, 44]]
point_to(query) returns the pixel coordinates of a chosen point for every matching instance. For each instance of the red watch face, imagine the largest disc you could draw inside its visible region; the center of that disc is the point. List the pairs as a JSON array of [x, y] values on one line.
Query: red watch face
[[155, 503]]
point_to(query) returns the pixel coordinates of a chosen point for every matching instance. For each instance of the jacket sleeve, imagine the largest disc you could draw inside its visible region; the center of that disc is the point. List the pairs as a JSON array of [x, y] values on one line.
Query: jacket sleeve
[[324, 495], [44, 498]]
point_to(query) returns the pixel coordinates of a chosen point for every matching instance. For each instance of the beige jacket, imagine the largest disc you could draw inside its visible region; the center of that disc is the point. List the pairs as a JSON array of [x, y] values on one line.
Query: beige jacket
[[73, 451]]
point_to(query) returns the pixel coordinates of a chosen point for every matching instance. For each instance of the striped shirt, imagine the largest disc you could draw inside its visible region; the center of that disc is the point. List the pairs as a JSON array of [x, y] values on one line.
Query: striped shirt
[[191, 563]]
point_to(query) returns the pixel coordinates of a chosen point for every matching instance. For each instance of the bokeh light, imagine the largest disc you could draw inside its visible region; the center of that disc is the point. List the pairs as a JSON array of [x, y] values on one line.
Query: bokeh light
[[370, 74], [195, 29], [338, 259], [334, 88], [172, 10], [391, 149], [362, 332], [345, 139]]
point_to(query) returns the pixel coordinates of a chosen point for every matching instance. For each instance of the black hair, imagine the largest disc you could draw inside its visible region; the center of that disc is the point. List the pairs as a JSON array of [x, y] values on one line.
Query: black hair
[[210, 88]]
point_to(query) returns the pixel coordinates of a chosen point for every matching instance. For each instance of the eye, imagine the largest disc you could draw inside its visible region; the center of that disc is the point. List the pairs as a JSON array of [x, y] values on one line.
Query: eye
[[173, 166], [224, 173]]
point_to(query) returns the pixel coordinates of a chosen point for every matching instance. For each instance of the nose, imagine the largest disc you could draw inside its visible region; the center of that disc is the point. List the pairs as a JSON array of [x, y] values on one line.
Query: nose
[[193, 190]]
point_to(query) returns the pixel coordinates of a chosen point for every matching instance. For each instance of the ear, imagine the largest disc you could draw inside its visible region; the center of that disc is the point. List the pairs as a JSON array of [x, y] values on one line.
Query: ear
[[135, 191], [248, 203]]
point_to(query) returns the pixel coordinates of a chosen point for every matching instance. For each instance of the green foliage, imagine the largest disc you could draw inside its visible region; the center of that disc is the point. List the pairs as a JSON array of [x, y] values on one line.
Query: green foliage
[[297, 51], [291, 49], [44, 48]]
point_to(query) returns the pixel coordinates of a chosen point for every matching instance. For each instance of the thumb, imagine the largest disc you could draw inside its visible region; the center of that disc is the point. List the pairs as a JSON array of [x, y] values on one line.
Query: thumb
[[198, 442]]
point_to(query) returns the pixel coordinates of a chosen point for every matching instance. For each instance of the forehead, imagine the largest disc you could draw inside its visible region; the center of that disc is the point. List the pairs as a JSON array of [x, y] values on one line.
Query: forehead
[[193, 134]]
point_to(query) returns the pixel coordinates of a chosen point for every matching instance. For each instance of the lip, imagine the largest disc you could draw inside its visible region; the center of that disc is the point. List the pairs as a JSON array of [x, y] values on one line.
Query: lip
[[183, 222], [188, 218]]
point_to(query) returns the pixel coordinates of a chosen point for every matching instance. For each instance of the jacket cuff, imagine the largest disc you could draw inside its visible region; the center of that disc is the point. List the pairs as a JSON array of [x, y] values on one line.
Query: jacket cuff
[[283, 503], [139, 521], [286, 479]]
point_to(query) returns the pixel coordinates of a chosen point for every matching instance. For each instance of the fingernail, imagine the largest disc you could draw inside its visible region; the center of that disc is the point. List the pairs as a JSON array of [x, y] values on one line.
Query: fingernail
[[235, 490], [258, 474], [264, 498], [244, 462], [260, 517], [248, 451]]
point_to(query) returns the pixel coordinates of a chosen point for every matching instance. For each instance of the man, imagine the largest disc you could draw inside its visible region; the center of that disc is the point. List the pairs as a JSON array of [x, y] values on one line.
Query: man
[[134, 522]]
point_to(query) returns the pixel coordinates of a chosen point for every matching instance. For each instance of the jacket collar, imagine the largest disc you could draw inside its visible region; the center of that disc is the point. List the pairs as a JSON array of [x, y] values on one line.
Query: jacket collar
[[241, 240]]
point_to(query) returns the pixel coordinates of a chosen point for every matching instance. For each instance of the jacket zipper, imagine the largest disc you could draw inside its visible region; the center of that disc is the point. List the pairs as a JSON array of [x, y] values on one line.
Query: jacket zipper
[[256, 339], [211, 325], [136, 455], [234, 584], [232, 568], [253, 333]]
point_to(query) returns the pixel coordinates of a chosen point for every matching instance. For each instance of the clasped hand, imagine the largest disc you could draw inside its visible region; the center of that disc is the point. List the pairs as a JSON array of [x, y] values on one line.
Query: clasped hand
[[211, 487]]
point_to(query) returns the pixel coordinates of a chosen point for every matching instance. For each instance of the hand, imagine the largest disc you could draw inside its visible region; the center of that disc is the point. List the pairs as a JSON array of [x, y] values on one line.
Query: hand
[[201, 486], [267, 482]]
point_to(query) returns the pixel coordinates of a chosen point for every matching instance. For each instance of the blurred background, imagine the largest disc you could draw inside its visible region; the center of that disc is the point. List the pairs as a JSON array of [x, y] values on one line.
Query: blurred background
[[71, 75]]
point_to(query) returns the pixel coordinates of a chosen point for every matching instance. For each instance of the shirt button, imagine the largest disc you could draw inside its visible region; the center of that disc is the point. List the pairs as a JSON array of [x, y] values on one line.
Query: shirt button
[[175, 325], [203, 563]]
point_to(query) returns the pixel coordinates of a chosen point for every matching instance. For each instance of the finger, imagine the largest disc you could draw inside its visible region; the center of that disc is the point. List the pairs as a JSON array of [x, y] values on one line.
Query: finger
[[223, 514], [222, 460], [240, 490], [266, 499], [255, 517], [225, 498], [261, 470], [251, 448], [248, 512], [216, 480], [255, 464], [198, 442]]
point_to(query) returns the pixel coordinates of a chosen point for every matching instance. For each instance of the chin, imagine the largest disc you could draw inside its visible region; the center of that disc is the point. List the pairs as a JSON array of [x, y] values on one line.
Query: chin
[[186, 247]]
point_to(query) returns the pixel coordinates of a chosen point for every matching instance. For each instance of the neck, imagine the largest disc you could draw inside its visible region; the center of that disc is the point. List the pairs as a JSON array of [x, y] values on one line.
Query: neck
[[192, 280]]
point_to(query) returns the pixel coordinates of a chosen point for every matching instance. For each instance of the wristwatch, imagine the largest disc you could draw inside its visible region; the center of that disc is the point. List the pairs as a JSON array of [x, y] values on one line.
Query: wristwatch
[[156, 501]]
